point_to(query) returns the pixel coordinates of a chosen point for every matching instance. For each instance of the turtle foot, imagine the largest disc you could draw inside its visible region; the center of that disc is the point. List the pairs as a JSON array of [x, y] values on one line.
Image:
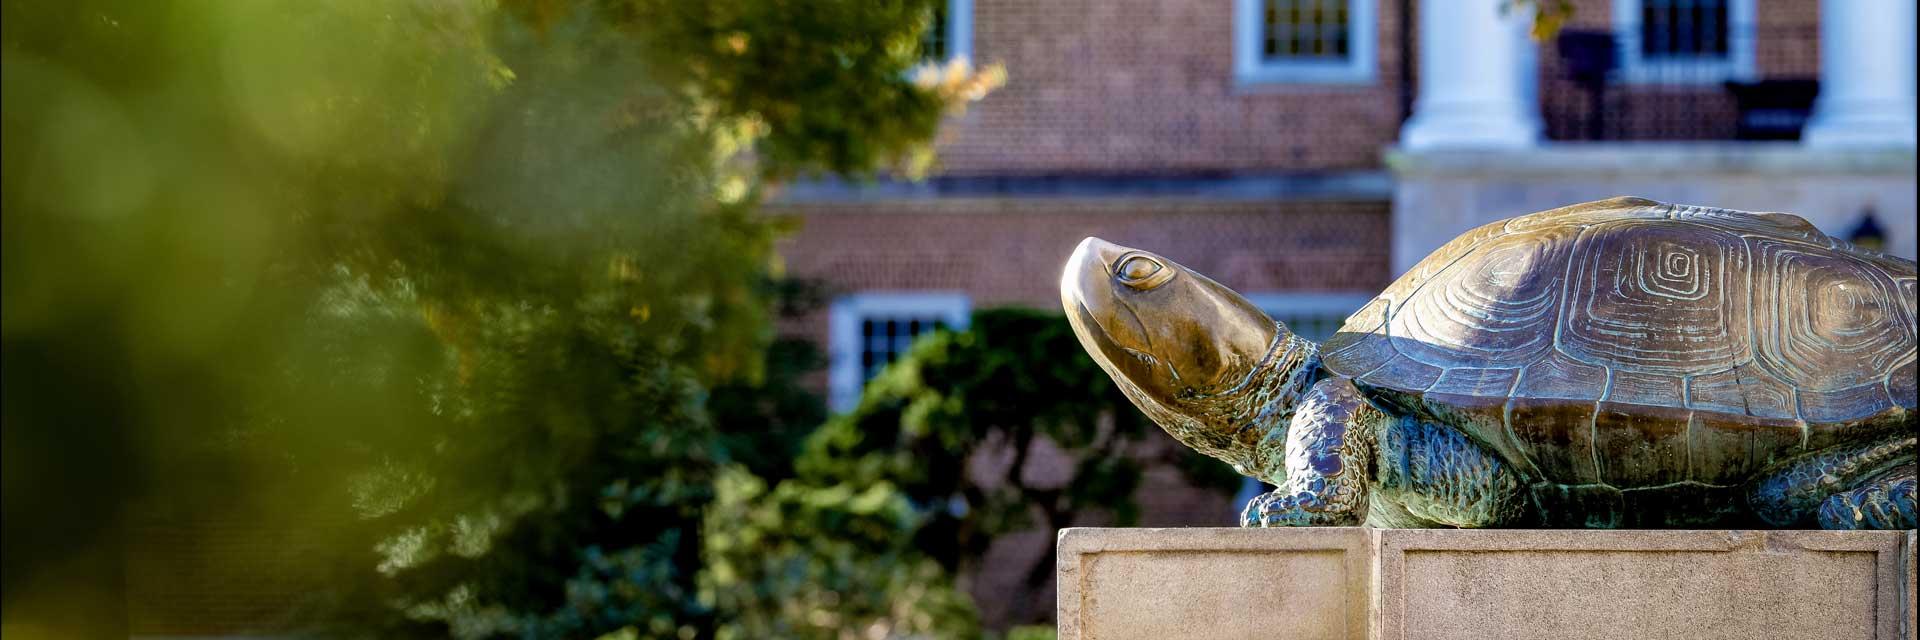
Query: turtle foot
[[1885, 502], [1284, 509], [1839, 480]]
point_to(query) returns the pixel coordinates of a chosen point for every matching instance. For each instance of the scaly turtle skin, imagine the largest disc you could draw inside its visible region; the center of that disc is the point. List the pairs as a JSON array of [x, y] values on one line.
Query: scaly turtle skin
[[1616, 363]]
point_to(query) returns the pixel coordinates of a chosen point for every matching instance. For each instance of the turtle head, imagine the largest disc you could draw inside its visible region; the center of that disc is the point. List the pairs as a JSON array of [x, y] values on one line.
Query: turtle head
[[1167, 335]]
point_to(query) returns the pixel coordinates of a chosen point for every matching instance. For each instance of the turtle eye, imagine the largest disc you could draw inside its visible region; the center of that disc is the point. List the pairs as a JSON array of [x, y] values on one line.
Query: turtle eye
[[1138, 268], [1141, 272]]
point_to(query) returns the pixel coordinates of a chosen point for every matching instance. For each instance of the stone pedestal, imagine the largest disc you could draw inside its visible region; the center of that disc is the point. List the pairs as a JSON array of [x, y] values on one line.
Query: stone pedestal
[[1354, 583]]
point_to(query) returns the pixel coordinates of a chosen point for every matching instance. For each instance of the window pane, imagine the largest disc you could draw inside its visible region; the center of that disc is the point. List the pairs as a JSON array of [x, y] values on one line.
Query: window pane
[[1305, 29], [1269, 16], [885, 339], [933, 41], [1683, 29], [1337, 31]]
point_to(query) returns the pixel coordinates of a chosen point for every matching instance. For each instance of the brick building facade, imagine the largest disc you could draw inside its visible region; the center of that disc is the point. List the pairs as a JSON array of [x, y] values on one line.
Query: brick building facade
[[1150, 88]]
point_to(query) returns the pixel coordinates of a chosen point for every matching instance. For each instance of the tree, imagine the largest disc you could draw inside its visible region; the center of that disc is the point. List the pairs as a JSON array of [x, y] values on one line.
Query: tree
[[464, 271], [1014, 381]]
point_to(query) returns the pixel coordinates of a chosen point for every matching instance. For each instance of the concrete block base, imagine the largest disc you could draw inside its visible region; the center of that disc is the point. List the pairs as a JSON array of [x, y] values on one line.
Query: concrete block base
[[1352, 583]]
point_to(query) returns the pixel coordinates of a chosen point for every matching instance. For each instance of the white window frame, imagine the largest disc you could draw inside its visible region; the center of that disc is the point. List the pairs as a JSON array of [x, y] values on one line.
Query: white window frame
[[1739, 64], [1285, 303], [844, 376], [960, 29], [1249, 68]]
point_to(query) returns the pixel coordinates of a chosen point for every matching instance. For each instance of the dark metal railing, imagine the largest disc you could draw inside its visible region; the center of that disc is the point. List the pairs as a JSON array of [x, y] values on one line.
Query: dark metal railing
[[1749, 83]]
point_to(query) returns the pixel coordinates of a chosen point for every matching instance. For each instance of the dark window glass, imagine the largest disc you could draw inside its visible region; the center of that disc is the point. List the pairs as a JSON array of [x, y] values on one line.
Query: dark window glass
[[933, 41], [884, 339], [1304, 29], [1683, 29]]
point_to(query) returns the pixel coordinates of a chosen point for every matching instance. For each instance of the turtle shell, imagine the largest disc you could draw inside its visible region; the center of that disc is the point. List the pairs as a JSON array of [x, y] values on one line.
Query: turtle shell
[[1637, 344]]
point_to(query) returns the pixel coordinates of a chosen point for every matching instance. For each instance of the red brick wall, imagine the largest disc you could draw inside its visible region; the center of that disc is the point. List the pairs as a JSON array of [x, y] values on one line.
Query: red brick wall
[[1794, 48], [1009, 252], [1123, 86]]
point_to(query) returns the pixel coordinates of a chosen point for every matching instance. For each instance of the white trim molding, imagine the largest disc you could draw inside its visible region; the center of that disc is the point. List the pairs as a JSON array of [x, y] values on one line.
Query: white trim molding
[[1738, 65], [1250, 68], [960, 29], [845, 377]]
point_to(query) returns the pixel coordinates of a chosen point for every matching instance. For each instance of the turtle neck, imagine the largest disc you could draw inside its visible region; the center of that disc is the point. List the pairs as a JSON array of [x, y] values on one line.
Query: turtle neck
[[1245, 425]]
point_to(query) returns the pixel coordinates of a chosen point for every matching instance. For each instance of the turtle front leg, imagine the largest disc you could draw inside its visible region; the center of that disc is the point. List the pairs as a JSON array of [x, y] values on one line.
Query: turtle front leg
[[1327, 448]]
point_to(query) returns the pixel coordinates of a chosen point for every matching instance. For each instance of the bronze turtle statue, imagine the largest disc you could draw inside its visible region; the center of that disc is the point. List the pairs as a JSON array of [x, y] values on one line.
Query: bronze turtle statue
[[1622, 363]]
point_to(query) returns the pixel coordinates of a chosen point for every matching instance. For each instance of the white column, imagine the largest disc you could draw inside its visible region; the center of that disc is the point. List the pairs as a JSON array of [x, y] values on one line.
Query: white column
[[1866, 75], [1477, 75]]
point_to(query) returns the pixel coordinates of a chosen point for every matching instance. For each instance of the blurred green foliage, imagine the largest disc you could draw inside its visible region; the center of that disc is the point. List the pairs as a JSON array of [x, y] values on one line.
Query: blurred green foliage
[[970, 427], [865, 533], [466, 275], [1034, 632], [1548, 16], [805, 560]]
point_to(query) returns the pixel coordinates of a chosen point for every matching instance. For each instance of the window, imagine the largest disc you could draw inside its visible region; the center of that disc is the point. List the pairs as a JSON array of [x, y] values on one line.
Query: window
[[868, 331], [1685, 41], [950, 32], [1303, 41]]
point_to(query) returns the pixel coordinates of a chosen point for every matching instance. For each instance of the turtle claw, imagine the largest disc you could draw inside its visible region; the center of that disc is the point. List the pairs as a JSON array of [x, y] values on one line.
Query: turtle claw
[[1276, 509], [1883, 503], [1254, 515]]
